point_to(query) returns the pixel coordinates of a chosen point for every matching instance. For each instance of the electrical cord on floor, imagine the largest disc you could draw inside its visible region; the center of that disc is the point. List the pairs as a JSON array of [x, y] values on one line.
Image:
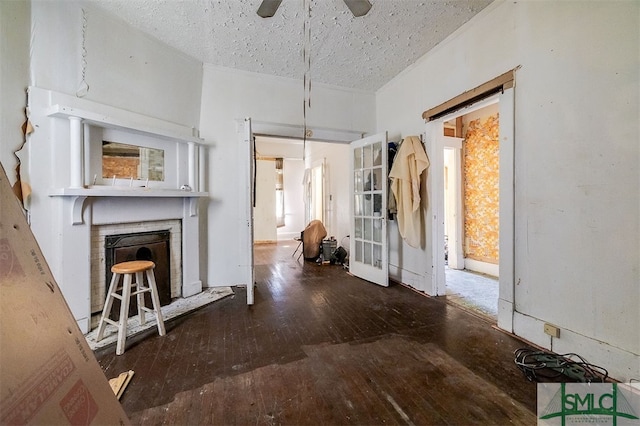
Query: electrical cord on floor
[[540, 366]]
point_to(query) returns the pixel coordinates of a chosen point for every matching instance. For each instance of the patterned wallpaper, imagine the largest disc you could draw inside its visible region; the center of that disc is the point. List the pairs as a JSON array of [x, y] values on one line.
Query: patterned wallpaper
[[481, 190]]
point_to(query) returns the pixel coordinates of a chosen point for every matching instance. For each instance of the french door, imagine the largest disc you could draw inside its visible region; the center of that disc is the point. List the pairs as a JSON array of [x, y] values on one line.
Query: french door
[[368, 242]]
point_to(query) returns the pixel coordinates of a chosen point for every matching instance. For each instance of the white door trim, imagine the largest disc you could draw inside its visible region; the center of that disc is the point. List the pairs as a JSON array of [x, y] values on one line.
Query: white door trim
[[454, 182], [245, 137], [435, 212]]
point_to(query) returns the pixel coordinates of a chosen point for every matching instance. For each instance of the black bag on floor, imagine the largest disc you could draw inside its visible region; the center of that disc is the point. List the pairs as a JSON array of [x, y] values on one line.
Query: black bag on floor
[[338, 256]]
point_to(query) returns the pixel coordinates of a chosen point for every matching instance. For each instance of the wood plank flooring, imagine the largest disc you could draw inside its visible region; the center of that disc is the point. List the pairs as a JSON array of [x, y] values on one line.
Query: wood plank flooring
[[322, 347]]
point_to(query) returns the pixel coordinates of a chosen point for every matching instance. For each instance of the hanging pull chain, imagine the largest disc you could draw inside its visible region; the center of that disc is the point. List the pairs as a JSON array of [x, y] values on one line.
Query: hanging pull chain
[[306, 60]]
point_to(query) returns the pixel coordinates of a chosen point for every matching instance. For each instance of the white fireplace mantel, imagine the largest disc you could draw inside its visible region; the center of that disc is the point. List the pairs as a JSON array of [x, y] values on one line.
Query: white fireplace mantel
[[80, 195], [107, 116]]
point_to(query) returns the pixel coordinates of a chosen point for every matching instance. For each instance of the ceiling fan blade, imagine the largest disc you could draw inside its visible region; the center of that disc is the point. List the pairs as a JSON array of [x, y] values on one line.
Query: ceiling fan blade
[[358, 7], [268, 8]]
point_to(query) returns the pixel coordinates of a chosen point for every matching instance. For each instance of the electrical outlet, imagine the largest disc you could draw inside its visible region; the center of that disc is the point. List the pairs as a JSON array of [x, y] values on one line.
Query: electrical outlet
[[552, 330]]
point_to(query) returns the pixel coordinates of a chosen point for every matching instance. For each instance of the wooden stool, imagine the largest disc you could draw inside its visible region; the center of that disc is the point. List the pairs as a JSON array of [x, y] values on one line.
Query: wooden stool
[[128, 270]]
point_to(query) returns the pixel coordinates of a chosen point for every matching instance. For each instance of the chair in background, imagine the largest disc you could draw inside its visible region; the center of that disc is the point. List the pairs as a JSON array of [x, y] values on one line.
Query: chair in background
[[299, 246]]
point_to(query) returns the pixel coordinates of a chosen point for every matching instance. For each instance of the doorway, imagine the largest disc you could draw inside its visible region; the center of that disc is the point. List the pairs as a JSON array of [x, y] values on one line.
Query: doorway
[[471, 209], [500, 90], [279, 212], [313, 187], [334, 149]]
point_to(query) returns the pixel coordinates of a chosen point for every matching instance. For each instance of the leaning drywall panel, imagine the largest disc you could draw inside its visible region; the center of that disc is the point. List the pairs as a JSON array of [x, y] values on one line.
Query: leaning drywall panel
[[48, 374]]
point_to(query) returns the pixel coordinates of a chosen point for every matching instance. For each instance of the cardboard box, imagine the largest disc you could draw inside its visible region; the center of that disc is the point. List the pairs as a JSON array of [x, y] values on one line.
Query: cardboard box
[[48, 374]]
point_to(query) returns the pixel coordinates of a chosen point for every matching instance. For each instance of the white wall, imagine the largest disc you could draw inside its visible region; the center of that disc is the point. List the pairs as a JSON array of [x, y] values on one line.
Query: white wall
[[230, 94], [41, 45], [264, 213], [577, 210], [293, 173], [336, 191], [14, 79], [279, 147], [125, 68]]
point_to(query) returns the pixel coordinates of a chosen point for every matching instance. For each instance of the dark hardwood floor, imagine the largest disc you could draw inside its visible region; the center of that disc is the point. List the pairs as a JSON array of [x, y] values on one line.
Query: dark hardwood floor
[[322, 347]]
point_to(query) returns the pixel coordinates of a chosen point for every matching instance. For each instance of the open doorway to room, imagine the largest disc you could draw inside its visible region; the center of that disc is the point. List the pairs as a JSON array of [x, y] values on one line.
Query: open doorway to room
[[500, 90], [310, 185], [336, 192], [279, 212], [471, 207]]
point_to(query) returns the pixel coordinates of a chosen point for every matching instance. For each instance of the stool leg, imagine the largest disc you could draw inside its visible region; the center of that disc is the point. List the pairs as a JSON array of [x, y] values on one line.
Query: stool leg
[[124, 314], [140, 297], [156, 301], [106, 310]]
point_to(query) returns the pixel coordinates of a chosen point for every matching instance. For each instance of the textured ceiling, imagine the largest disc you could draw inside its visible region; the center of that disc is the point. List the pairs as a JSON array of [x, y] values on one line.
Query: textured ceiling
[[362, 53]]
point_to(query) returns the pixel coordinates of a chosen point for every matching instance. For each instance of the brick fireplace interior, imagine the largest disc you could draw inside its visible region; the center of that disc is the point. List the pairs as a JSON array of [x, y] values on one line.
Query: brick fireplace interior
[[153, 246], [158, 241]]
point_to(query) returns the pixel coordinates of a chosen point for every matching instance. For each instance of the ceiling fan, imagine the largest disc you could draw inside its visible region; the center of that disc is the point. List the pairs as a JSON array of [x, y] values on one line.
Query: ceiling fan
[[268, 8]]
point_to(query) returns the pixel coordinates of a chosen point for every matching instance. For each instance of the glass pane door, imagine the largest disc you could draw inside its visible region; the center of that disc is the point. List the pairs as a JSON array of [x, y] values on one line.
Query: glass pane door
[[368, 241]]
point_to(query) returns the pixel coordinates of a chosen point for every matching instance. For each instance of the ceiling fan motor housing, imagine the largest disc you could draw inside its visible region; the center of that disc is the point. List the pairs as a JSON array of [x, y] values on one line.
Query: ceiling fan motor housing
[[268, 8]]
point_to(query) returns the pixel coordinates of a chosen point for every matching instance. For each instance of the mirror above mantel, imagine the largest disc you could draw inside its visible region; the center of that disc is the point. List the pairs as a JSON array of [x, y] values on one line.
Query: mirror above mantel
[[124, 161]]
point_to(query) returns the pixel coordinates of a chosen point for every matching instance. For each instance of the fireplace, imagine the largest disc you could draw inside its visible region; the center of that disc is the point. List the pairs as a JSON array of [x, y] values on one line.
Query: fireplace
[[153, 246], [119, 242], [77, 207]]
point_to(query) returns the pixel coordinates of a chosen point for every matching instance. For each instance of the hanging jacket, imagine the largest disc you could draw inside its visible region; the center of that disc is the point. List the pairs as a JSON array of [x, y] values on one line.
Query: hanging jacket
[[409, 163]]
